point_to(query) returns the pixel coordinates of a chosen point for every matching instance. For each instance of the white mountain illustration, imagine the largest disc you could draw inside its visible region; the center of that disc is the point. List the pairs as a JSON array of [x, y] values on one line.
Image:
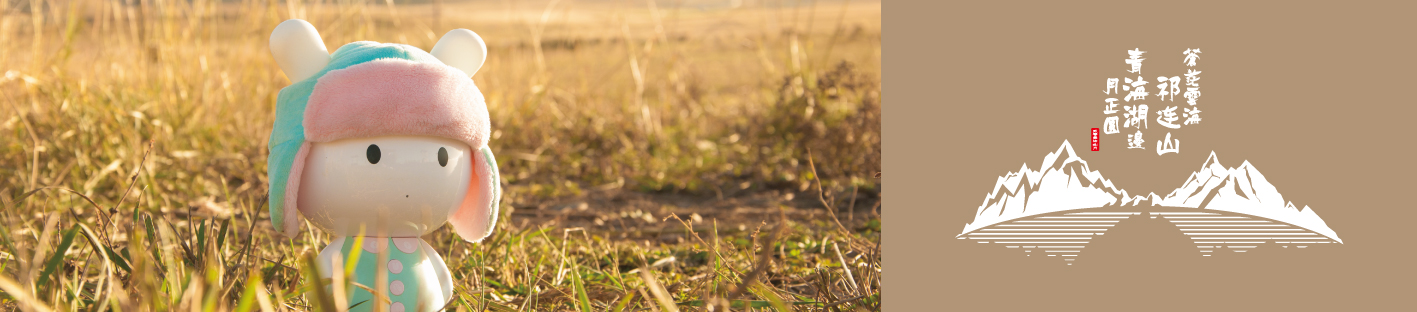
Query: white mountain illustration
[[1242, 190], [1065, 183]]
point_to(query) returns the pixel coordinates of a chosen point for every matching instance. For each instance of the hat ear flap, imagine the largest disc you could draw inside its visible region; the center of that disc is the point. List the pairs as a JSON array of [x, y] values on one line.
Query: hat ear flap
[[477, 215], [285, 217]]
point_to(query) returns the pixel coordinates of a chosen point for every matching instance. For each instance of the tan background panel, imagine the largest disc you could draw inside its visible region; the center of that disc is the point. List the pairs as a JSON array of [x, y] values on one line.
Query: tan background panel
[[1318, 97]]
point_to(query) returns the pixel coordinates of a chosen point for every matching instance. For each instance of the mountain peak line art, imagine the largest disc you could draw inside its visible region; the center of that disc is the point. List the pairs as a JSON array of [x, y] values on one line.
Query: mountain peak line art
[[1057, 209]]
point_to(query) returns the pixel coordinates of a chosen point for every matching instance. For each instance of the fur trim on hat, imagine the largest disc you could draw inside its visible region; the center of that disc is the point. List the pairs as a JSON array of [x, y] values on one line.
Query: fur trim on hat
[[397, 97]]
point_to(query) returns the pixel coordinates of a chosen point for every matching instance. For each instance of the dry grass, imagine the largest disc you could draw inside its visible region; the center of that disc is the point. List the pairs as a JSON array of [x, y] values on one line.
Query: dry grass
[[132, 158]]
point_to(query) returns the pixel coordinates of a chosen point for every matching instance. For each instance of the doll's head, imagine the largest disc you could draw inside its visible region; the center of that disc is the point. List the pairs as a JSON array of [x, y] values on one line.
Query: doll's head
[[383, 138]]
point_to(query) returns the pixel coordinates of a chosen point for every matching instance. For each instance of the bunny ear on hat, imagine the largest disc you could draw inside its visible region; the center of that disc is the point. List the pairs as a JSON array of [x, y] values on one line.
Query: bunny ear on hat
[[301, 54], [298, 49], [461, 49]]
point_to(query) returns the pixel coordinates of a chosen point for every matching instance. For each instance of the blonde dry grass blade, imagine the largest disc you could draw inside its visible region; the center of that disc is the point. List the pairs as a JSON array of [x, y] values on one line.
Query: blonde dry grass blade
[[822, 195], [660, 294], [395, 13], [263, 299], [22, 295], [191, 296], [41, 249], [107, 278], [847, 268], [536, 33], [337, 282], [34, 141], [646, 123]]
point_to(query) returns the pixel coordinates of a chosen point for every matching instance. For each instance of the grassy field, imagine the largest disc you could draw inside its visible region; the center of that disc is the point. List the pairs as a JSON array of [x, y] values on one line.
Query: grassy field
[[657, 155]]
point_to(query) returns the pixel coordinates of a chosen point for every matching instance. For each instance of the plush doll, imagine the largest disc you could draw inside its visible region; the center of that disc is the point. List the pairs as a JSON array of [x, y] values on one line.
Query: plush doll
[[382, 143]]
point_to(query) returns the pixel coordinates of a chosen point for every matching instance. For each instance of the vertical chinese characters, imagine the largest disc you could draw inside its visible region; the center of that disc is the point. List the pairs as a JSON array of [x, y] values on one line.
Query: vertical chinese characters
[[1193, 87], [1135, 60], [1134, 113], [1109, 125], [1191, 56]]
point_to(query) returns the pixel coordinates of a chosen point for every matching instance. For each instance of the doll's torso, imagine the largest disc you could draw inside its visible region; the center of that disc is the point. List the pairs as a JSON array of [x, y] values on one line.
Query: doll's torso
[[411, 272]]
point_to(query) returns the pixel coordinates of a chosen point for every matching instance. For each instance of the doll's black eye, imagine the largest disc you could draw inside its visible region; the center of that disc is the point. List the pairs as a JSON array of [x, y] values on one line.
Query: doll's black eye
[[372, 154], [442, 156]]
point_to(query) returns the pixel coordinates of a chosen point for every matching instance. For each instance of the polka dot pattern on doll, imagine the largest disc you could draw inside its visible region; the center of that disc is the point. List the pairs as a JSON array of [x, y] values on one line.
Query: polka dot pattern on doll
[[395, 266], [374, 245], [396, 288], [406, 244], [396, 307]]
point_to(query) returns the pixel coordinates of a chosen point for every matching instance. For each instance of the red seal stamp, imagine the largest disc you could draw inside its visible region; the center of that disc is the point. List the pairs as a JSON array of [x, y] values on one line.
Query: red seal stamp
[[1094, 140]]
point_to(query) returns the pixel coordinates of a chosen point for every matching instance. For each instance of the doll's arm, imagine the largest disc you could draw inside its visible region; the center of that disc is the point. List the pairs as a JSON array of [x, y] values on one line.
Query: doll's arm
[[323, 261], [441, 269]]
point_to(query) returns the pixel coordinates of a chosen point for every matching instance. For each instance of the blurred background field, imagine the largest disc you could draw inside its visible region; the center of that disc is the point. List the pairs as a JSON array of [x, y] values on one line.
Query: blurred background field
[[655, 154]]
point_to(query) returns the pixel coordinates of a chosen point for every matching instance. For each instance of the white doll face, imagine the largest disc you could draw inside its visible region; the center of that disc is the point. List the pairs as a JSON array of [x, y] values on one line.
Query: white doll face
[[406, 185]]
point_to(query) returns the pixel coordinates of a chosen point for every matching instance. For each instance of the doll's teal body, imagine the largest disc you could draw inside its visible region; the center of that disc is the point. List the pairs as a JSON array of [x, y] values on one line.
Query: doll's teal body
[[415, 277]]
